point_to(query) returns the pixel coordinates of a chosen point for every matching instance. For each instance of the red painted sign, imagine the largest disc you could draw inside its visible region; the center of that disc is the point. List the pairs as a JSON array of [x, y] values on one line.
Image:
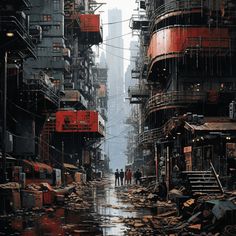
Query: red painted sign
[[79, 121]]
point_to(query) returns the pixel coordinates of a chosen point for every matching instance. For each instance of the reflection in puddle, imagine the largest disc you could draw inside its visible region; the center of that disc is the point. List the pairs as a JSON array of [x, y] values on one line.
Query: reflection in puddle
[[106, 216]]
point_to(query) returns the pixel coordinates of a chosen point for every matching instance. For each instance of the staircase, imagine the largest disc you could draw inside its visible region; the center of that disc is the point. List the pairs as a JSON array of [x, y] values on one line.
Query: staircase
[[206, 182]]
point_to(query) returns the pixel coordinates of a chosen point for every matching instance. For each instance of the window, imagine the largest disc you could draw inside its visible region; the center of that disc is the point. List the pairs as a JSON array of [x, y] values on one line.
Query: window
[[46, 18], [56, 4], [227, 86], [194, 87], [57, 47]]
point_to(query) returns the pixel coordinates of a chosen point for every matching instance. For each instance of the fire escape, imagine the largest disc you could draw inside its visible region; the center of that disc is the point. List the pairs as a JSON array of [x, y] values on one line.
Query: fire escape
[[77, 118]]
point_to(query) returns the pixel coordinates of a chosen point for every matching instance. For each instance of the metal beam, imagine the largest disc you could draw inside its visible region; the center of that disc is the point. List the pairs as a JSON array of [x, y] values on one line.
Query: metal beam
[[95, 5]]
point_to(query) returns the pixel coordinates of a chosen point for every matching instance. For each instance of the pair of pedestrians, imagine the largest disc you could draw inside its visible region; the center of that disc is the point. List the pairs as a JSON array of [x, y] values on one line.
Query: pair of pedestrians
[[119, 177]]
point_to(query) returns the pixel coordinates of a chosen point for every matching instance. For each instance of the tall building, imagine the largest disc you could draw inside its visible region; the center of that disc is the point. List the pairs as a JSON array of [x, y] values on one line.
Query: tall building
[[188, 115], [51, 113], [116, 85]]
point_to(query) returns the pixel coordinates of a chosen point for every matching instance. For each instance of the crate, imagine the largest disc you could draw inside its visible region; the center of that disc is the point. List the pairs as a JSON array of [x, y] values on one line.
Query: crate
[[78, 177], [31, 199]]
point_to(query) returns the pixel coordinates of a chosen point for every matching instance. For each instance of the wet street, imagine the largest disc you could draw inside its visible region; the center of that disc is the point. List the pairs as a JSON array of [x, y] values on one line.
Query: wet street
[[102, 210]]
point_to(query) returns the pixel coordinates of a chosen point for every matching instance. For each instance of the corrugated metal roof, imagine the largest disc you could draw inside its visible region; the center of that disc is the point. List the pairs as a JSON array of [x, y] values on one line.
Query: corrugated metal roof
[[212, 126]]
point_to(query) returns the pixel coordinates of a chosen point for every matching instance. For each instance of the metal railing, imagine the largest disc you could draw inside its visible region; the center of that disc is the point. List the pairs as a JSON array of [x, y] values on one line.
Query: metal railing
[[150, 136], [173, 98], [217, 177], [38, 85], [181, 5], [11, 23], [27, 3]]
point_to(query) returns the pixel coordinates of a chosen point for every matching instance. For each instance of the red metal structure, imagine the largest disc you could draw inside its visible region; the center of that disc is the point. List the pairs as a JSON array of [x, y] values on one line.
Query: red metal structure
[[79, 122]]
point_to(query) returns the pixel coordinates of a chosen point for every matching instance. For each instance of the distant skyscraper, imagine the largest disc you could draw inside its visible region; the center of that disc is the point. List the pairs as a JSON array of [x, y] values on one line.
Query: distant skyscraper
[[116, 86]]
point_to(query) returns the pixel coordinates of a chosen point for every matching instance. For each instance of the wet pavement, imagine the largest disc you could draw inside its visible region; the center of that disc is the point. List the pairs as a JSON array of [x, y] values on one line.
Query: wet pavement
[[102, 211]]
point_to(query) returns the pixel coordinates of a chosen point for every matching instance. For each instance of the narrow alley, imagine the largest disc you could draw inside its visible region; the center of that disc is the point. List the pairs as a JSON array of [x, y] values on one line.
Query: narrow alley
[[94, 93], [97, 208]]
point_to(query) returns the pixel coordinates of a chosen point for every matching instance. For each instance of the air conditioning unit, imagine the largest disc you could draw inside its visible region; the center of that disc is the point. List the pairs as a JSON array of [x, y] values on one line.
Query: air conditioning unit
[[232, 110]]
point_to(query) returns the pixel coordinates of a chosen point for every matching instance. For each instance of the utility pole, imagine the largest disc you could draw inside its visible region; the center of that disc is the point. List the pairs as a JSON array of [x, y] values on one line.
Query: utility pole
[[156, 162], [62, 164], [3, 178], [167, 169], [4, 118]]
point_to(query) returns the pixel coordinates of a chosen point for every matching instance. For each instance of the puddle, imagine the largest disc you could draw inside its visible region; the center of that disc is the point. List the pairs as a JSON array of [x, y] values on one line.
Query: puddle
[[104, 217]]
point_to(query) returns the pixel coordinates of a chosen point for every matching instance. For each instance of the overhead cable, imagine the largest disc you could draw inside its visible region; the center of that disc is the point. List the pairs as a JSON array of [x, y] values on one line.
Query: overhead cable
[[116, 55], [120, 36], [116, 22], [130, 49]]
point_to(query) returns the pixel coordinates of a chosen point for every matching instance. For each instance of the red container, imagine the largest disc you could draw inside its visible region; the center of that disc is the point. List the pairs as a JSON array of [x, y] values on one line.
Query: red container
[[89, 23], [47, 198]]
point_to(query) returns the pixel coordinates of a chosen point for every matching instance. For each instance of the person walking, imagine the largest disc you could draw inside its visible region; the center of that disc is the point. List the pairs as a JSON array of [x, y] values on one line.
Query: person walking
[[137, 176], [117, 177], [129, 176], [122, 174], [126, 176]]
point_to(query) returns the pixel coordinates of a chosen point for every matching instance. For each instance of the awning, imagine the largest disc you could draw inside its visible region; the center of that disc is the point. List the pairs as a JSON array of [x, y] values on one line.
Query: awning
[[70, 166], [39, 167], [212, 126]]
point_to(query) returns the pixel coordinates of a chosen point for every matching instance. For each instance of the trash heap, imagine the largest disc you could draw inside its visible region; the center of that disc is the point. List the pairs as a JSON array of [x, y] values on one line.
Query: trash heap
[[181, 214]]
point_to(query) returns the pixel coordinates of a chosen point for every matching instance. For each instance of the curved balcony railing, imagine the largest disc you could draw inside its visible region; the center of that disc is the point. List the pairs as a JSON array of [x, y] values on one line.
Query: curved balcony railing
[[180, 5], [172, 99], [150, 136]]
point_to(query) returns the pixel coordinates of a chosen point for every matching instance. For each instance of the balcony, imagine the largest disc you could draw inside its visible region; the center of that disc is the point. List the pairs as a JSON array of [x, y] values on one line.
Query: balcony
[[15, 36], [74, 98], [20, 4], [135, 74], [40, 87], [71, 16], [178, 7], [139, 22], [171, 100], [149, 137], [177, 41], [137, 94]]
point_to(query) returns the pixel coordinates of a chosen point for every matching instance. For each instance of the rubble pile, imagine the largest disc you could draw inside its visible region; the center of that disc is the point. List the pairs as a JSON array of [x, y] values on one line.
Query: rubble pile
[[183, 215], [140, 197], [81, 197]]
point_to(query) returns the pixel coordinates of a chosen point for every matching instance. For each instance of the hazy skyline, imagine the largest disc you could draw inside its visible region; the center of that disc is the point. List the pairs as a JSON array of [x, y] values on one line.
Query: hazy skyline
[[116, 130], [127, 8]]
